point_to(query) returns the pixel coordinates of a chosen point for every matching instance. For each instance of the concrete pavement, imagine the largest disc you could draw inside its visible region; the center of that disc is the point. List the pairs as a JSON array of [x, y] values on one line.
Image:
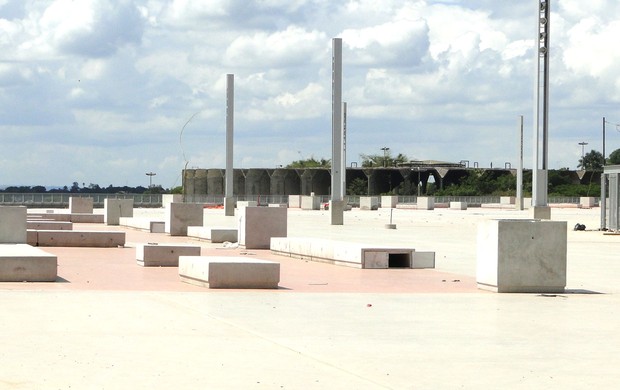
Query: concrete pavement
[[111, 324]]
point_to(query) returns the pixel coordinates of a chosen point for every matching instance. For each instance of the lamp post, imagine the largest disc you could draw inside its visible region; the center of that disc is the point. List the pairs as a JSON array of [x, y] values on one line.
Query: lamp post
[[150, 175], [583, 145], [385, 150]]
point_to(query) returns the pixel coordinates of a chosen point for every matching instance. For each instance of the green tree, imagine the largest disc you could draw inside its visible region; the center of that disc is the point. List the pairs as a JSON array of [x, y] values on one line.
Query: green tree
[[614, 157], [358, 186], [591, 161], [382, 160], [310, 163]]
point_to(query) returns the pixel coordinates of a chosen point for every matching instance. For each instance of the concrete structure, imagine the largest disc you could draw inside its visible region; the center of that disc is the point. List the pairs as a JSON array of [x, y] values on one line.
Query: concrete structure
[[587, 201], [114, 209], [80, 205], [76, 238], [389, 201], [157, 227], [246, 203], [164, 255], [213, 234], [49, 225], [181, 215], [167, 199], [257, 225], [310, 202], [458, 205], [229, 203], [369, 203], [425, 203], [294, 201], [229, 272], [338, 166], [13, 224], [507, 200], [522, 256], [24, 263], [350, 254], [70, 217]]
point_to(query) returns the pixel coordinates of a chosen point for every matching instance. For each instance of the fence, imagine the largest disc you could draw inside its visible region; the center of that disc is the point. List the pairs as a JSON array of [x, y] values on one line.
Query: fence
[[61, 200]]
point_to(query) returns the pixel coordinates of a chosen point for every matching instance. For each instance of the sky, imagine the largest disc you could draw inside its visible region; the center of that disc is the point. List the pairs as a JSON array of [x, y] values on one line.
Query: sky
[[105, 91]]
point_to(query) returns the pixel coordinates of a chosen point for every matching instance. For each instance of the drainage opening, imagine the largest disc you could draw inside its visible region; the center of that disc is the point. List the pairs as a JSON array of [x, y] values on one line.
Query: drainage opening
[[399, 260]]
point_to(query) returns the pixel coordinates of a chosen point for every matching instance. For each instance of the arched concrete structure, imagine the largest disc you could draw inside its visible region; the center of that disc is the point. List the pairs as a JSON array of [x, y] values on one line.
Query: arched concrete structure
[[317, 180], [215, 182], [285, 182], [257, 182], [200, 181]]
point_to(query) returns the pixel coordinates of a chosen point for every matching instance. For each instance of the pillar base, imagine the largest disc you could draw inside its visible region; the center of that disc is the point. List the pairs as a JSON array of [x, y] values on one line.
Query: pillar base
[[336, 210], [229, 206], [541, 212]]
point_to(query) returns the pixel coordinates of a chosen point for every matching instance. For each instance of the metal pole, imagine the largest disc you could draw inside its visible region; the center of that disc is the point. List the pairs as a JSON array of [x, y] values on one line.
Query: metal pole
[[603, 200], [337, 206], [229, 209], [520, 168]]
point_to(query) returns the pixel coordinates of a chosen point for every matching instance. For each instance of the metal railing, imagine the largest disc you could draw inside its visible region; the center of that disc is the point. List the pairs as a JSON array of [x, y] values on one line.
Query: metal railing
[[61, 200]]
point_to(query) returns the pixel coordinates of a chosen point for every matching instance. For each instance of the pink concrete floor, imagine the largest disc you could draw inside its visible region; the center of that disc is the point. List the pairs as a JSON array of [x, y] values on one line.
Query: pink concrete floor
[[116, 269]]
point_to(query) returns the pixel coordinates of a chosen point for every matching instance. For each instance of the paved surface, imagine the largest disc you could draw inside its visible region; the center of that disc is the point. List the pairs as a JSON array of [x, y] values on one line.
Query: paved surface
[[111, 324]]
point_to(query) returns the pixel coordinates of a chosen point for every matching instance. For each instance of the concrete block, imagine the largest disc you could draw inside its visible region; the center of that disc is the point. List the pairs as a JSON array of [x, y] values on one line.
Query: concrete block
[[157, 227], [369, 203], [77, 238], [507, 200], [229, 206], [164, 255], [522, 256], [13, 224], [229, 272], [310, 203], [389, 201], [213, 234], [336, 211], [423, 260], [167, 199], [258, 224], [24, 263], [426, 203], [277, 205], [294, 201], [86, 218], [246, 203], [587, 202], [114, 209], [181, 215], [458, 205], [49, 225], [541, 212], [80, 205]]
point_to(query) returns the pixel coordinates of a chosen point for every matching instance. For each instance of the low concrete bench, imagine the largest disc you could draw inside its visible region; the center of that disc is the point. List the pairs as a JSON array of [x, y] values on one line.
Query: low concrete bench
[[24, 263], [76, 238], [164, 255], [157, 227], [229, 272], [49, 225], [73, 217], [214, 234], [351, 254]]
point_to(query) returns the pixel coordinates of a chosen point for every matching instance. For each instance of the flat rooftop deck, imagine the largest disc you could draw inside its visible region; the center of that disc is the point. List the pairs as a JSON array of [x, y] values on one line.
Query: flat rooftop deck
[[109, 323]]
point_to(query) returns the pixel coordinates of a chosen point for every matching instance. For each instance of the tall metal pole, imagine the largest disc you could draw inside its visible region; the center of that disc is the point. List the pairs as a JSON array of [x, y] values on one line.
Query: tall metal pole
[[337, 199], [229, 203], [541, 113], [603, 200], [343, 169], [519, 203]]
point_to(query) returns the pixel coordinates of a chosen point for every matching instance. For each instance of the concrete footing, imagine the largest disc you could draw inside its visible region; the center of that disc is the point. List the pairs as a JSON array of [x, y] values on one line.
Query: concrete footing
[[24, 263], [229, 272], [13, 224], [541, 212], [425, 203], [214, 234], [458, 205], [114, 209], [49, 225], [522, 256], [181, 215], [369, 203], [80, 205], [164, 255]]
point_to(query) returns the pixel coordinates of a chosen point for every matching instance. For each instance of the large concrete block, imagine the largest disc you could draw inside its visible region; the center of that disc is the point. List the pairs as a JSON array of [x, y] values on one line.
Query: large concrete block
[[507, 200], [587, 202], [114, 209], [369, 203], [49, 225], [458, 205], [24, 263], [80, 205], [258, 224], [164, 255], [229, 272], [294, 201], [181, 215], [389, 201], [167, 199], [310, 203], [425, 203], [522, 256], [13, 224]]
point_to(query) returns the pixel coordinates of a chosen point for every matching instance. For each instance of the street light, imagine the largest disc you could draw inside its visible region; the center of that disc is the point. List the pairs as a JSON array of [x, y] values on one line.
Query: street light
[[385, 150], [583, 144], [150, 175]]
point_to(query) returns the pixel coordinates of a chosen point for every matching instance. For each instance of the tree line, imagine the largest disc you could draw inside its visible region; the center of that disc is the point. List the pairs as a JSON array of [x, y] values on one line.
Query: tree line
[[92, 188]]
